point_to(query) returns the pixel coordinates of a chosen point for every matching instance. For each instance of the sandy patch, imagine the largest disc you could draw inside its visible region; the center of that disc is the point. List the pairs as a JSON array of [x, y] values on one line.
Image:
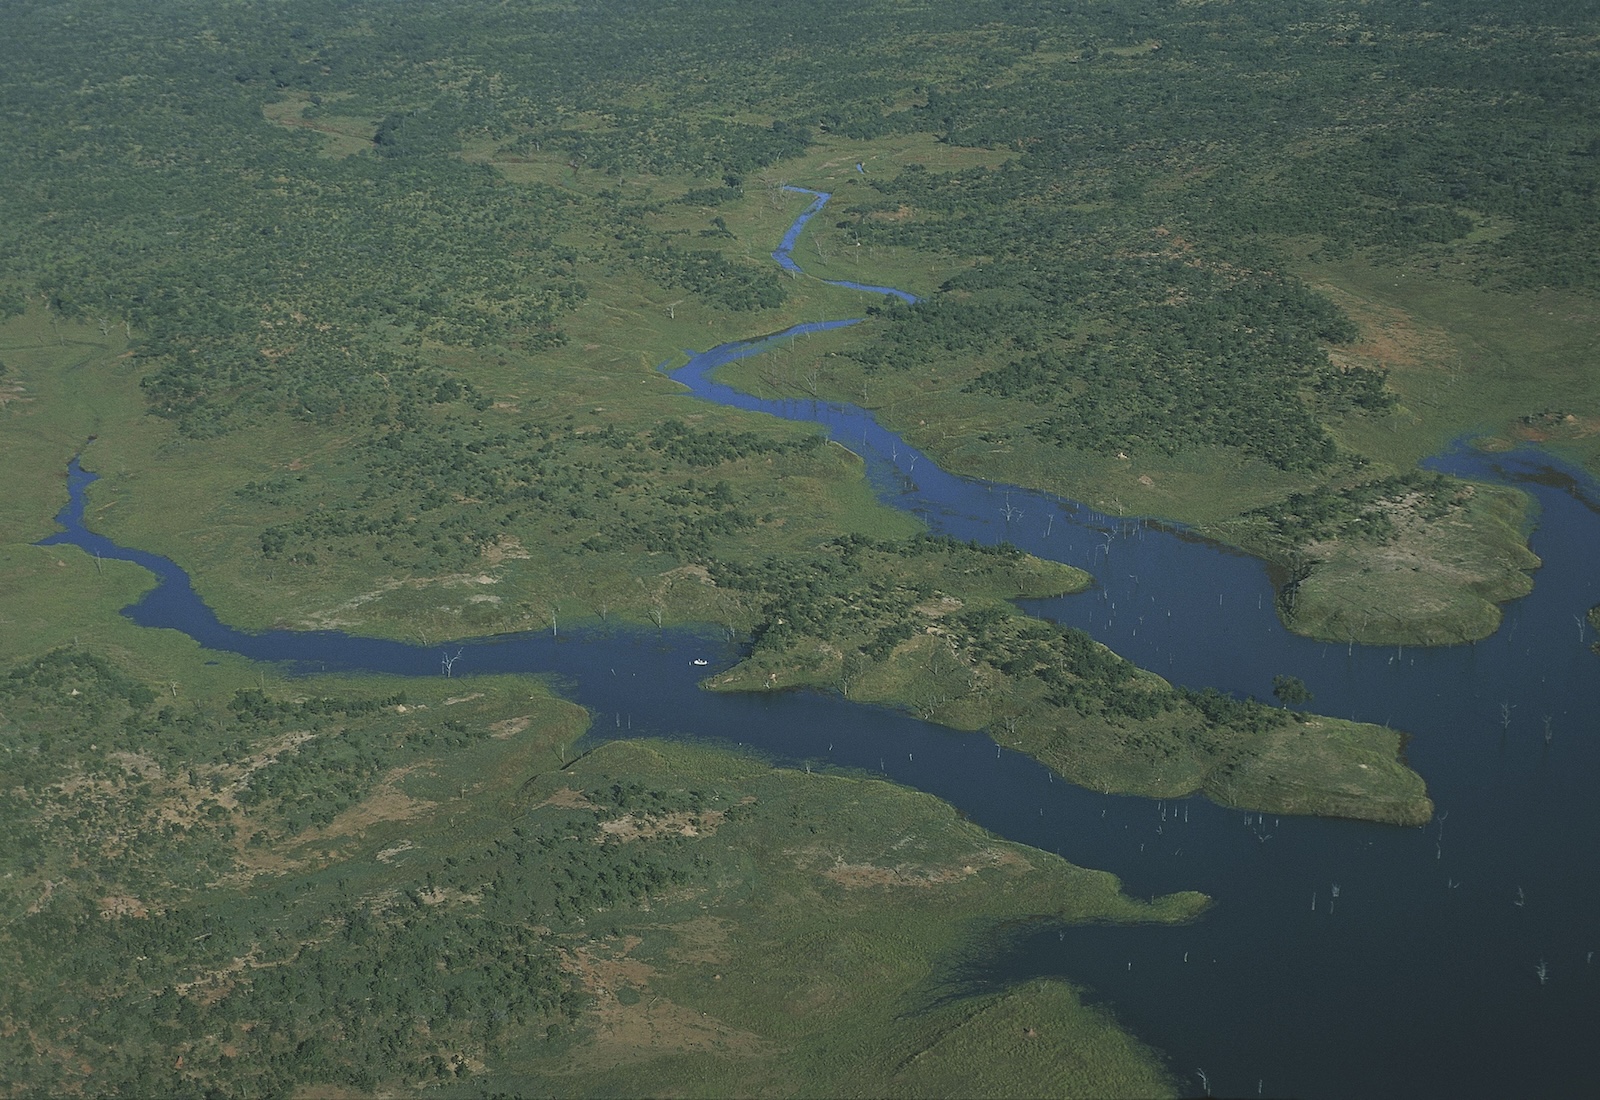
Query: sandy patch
[[459, 579], [386, 803], [856, 876], [633, 827], [651, 1026], [137, 763], [122, 905], [448, 895], [507, 728], [502, 548], [938, 608], [698, 572], [334, 618], [49, 889], [567, 798]]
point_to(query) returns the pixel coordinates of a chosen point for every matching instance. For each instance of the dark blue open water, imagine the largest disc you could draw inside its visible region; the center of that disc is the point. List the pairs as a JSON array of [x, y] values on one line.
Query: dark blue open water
[[1418, 978]]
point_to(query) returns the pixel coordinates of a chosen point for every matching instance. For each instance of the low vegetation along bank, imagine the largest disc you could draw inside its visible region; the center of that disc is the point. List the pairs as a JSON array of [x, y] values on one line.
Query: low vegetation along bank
[[362, 306], [386, 887], [864, 619], [1415, 559], [490, 521]]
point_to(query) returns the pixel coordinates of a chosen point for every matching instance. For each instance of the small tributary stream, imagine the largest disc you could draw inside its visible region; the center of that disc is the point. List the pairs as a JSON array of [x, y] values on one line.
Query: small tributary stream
[[1340, 959]]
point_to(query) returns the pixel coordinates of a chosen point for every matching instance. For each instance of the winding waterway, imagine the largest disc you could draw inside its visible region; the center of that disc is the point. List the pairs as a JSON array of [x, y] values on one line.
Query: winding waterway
[[1419, 977]]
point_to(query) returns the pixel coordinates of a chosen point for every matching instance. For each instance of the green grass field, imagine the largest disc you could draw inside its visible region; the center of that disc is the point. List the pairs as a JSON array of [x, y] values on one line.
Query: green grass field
[[1498, 367], [357, 311], [553, 568], [643, 917]]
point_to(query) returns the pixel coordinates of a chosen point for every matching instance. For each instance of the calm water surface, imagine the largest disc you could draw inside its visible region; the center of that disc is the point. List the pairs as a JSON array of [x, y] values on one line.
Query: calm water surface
[[1340, 959]]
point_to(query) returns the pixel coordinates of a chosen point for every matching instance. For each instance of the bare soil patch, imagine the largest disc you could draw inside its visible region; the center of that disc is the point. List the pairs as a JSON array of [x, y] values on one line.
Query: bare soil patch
[[698, 572], [122, 905], [568, 798], [920, 875], [1390, 337], [701, 940], [937, 608], [635, 827], [653, 1025], [507, 728], [502, 548], [386, 803], [1555, 425]]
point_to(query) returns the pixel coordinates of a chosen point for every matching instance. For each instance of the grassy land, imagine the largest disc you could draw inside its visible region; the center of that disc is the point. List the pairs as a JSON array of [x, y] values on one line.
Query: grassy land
[[1083, 727], [1433, 582], [847, 881], [883, 627], [419, 893], [276, 525], [1468, 361], [187, 497], [1461, 361], [363, 310]]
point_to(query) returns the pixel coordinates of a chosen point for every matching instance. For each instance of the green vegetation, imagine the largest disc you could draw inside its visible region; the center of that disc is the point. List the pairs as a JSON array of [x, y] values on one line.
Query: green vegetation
[[375, 889], [361, 306], [1056, 693], [1413, 559], [406, 447], [1159, 311], [412, 221], [1290, 690], [1430, 578]]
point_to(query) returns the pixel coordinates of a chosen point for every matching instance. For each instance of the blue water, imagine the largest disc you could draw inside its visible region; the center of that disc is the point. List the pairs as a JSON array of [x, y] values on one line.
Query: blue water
[[1418, 979], [784, 253]]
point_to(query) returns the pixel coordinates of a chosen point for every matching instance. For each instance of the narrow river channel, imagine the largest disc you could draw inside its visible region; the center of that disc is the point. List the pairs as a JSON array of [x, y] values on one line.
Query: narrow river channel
[[1341, 959]]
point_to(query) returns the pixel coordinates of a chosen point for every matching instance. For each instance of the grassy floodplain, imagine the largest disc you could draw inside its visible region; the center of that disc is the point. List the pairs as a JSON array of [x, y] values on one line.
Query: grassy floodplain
[[1456, 358], [240, 884], [577, 485], [363, 308], [876, 614], [1468, 299]]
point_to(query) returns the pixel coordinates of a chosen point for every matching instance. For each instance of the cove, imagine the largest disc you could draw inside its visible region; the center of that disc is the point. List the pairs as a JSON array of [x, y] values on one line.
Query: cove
[[1431, 946]]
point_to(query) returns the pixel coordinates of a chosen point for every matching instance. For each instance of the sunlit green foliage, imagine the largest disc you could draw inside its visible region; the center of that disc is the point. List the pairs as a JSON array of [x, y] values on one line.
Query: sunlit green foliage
[[1360, 511], [362, 226], [175, 926]]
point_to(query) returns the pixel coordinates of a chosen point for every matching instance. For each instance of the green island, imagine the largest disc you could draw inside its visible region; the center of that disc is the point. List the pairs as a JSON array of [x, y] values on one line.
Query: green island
[[361, 307], [880, 629]]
